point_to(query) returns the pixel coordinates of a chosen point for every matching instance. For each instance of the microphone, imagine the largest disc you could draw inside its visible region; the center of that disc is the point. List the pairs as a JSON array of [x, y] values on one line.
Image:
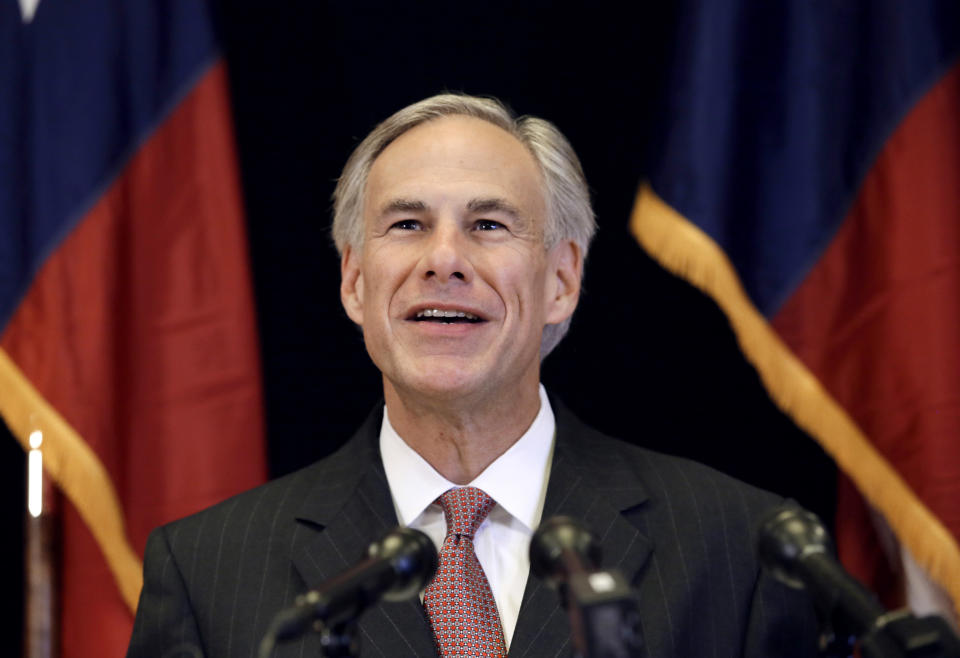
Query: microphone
[[795, 547], [560, 548], [397, 567], [600, 603]]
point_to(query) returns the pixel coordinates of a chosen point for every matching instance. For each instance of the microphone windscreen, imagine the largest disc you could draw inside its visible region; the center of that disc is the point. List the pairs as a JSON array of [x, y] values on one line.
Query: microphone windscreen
[[788, 536], [555, 542], [412, 556]]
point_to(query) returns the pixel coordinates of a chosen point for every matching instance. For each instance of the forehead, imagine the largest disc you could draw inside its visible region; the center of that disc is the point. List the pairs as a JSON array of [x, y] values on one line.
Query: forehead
[[453, 156]]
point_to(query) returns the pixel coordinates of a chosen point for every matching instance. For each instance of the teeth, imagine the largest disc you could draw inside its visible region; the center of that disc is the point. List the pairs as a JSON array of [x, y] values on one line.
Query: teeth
[[438, 313]]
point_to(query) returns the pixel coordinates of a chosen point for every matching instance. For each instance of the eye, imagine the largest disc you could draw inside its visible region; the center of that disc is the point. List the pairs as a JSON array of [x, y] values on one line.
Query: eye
[[407, 225], [488, 225]]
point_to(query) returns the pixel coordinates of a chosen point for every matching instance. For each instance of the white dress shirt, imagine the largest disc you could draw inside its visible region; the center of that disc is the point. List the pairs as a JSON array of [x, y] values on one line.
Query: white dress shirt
[[517, 481]]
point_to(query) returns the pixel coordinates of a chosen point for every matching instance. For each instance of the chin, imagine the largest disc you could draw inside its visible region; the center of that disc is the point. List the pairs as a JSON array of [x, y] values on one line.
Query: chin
[[444, 386], [441, 381]]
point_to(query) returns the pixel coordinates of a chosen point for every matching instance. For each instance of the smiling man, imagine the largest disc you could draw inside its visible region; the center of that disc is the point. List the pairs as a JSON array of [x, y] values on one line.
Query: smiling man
[[453, 285], [462, 232]]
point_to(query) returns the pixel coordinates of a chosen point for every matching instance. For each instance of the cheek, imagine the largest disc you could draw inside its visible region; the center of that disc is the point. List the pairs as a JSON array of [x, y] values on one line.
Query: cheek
[[525, 287], [382, 286]]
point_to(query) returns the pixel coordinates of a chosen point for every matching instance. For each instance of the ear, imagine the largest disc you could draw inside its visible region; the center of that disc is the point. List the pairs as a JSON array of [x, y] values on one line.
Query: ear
[[565, 266], [351, 284]]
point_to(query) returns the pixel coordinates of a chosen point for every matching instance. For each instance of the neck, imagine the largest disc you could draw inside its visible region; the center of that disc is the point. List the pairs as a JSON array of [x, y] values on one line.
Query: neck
[[461, 439]]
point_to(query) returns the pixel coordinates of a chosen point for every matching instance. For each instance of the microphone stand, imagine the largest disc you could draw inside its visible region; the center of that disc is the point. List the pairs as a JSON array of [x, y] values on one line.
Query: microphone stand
[[338, 636], [900, 634], [339, 640], [600, 604], [897, 634], [603, 615]]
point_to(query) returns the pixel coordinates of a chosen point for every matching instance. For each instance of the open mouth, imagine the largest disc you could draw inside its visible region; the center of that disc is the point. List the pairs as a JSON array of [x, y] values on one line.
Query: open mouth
[[446, 316]]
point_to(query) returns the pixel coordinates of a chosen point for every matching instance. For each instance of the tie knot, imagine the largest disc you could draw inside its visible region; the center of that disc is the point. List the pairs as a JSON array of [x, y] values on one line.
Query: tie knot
[[465, 508]]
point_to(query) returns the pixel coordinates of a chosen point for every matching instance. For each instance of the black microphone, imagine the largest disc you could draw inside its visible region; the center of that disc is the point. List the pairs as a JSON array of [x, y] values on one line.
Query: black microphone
[[600, 603], [796, 548], [397, 567], [560, 548]]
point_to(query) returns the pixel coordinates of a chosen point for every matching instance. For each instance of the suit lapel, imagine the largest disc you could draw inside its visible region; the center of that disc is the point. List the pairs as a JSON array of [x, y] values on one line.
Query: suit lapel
[[584, 484], [348, 509]]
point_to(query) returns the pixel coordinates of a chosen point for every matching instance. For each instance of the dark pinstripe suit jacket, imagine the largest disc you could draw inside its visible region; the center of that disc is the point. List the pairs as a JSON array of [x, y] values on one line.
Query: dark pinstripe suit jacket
[[682, 531]]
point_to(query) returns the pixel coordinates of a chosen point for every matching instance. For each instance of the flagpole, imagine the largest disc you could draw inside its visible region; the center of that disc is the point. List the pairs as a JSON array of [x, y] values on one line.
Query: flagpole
[[41, 628]]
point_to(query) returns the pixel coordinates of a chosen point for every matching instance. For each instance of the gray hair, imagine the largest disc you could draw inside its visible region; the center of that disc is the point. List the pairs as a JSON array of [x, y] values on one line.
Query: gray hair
[[569, 215]]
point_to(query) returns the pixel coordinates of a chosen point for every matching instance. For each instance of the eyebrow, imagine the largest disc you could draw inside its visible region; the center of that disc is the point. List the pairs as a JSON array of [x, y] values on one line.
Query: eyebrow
[[476, 206], [402, 206], [494, 205]]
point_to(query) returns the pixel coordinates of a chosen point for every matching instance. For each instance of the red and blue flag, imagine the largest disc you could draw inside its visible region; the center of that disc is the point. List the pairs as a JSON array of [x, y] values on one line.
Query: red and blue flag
[[127, 332], [806, 177]]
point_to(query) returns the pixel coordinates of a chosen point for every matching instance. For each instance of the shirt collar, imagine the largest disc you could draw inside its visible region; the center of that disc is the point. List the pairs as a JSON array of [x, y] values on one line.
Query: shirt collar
[[516, 479]]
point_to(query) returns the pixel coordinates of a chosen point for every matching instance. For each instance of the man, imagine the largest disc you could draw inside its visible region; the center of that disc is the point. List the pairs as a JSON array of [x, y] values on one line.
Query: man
[[462, 234]]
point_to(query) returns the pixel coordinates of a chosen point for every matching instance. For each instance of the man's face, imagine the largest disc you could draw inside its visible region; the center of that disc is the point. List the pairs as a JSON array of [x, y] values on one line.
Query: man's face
[[453, 285]]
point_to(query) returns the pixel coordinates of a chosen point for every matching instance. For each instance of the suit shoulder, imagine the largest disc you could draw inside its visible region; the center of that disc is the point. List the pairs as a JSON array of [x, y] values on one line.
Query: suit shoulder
[[658, 471], [670, 472], [675, 487]]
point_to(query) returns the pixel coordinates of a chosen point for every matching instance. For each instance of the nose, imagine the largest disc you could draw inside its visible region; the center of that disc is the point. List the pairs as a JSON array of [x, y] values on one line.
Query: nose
[[446, 258]]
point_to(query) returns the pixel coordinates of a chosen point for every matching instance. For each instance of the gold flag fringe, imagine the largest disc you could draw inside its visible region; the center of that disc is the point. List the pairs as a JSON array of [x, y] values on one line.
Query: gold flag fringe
[[77, 471]]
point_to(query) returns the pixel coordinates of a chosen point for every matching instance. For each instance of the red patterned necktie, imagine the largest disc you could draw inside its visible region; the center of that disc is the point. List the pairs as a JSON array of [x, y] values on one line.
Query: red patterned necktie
[[458, 600]]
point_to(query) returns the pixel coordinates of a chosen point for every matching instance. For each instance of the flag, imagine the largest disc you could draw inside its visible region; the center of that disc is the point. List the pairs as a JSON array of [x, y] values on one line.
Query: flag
[[127, 334], [806, 178]]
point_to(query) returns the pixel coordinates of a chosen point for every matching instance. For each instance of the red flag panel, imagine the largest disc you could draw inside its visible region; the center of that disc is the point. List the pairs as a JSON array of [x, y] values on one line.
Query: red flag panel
[[139, 329]]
